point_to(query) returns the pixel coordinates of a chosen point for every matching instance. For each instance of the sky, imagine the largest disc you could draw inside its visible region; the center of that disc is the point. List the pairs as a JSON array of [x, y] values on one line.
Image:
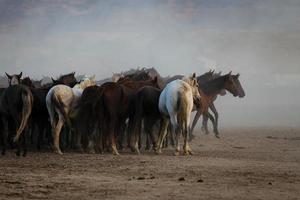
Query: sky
[[260, 39]]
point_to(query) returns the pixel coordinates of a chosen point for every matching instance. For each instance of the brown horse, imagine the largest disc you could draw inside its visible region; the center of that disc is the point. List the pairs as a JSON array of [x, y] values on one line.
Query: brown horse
[[211, 89]]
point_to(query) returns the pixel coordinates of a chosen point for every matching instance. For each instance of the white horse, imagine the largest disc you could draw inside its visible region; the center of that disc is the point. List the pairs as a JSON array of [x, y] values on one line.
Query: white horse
[[175, 104], [61, 99]]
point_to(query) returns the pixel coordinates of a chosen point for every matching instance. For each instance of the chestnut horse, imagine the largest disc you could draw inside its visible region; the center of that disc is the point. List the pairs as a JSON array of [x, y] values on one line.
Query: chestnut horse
[[211, 89]]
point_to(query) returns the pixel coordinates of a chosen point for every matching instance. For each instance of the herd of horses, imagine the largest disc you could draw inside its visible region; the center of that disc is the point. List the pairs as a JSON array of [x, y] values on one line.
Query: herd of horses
[[116, 114]]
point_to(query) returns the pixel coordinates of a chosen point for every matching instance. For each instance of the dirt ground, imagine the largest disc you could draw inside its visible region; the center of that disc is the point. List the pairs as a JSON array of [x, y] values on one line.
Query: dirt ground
[[259, 163]]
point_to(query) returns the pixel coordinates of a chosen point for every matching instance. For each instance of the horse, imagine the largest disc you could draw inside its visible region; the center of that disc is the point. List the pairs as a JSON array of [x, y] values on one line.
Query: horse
[[14, 79], [147, 112], [211, 89], [15, 107], [175, 104], [208, 76], [59, 100]]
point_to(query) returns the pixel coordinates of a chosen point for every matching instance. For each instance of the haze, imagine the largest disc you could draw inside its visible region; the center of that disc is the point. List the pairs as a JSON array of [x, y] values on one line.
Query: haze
[[260, 39]]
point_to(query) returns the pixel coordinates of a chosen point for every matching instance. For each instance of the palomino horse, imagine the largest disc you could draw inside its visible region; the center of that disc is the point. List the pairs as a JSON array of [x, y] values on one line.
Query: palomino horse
[[61, 99], [175, 104], [211, 89]]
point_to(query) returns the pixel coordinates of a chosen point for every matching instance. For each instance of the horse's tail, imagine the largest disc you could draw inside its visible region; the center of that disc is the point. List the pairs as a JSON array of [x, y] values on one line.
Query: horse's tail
[[179, 101], [27, 100], [57, 102]]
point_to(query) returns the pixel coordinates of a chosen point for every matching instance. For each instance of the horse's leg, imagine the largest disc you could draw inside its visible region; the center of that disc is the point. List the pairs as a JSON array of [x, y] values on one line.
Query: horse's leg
[[113, 128], [148, 127], [186, 147], [214, 110], [138, 136], [4, 133], [24, 145], [176, 131], [196, 118], [56, 132], [211, 119], [17, 122], [204, 124], [162, 134]]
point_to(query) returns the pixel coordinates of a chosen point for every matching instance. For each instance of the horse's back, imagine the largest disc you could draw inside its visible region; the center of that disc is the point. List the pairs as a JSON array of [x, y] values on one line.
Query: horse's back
[[173, 96]]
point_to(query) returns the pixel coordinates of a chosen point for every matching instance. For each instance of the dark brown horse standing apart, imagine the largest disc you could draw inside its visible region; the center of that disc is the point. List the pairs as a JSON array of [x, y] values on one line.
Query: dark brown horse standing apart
[[211, 89]]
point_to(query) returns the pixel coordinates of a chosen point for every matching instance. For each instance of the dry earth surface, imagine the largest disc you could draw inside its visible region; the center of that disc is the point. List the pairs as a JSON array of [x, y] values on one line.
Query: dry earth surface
[[253, 163]]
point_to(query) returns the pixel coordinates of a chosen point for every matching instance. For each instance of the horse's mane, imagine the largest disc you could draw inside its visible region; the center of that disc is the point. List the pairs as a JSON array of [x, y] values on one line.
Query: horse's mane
[[67, 75]]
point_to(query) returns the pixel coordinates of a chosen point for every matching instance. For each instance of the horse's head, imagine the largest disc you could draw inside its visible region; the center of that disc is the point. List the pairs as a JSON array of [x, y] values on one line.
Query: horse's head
[[233, 85], [14, 79], [56, 82], [68, 79], [155, 83], [192, 81], [27, 81], [86, 82]]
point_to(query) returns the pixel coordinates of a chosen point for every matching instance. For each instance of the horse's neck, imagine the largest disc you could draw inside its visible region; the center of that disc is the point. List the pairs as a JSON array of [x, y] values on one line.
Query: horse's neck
[[214, 86]]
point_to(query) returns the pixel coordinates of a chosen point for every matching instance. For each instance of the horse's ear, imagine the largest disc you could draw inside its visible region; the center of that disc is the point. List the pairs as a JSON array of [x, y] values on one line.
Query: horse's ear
[[53, 80], [194, 75], [238, 75], [20, 75], [229, 73], [8, 76], [93, 77], [73, 73], [212, 71]]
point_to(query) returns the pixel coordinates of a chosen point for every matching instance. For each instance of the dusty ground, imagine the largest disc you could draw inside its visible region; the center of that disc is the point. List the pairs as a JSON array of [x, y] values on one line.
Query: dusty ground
[[243, 164]]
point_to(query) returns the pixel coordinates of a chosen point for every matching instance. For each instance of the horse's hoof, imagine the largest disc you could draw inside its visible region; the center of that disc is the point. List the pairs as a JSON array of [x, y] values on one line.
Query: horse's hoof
[[58, 152], [177, 153], [158, 151], [217, 136], [15, 139], [116, 153], [138, 152]]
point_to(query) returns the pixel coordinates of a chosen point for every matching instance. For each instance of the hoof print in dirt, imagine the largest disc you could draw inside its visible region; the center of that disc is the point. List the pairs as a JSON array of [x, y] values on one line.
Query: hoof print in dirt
[[200, 181], [141, 178], [181, 179]]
